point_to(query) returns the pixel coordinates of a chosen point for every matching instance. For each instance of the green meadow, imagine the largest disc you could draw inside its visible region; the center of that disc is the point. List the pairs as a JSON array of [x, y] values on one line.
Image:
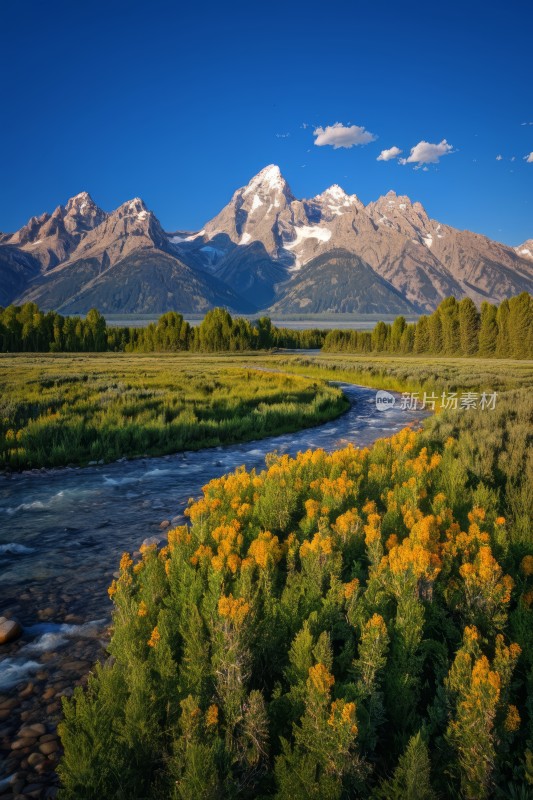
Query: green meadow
[[58, 409]]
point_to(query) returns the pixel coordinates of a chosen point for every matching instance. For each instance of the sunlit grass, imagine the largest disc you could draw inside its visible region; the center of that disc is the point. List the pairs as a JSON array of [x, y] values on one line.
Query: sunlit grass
[[61, 409]]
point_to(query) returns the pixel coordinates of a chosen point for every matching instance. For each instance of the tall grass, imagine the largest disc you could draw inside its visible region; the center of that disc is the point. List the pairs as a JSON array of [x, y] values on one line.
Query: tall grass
[[60, 409]]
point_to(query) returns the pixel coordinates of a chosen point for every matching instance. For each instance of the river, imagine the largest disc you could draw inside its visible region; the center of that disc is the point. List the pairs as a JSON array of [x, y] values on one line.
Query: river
[[62, 533]]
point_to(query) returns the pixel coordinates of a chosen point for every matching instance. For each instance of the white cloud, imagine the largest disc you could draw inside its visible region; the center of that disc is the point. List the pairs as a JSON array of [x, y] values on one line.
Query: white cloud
[[339, 135], [388, 155], [529, 158], [499, 157], [427, 153], [282, 135], [513, 158]]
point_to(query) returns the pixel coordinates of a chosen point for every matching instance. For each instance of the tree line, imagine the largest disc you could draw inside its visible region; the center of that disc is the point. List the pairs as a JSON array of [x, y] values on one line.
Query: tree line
[[28, 329], [453, 329]]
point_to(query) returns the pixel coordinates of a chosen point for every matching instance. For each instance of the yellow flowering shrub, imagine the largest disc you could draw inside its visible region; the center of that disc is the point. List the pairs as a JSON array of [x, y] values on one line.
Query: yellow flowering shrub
[[320, 678], [234, 609]]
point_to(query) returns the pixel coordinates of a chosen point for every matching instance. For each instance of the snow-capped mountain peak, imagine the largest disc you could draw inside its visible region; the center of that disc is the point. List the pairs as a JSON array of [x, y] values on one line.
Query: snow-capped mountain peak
[[336, 200], [135, 208], [267, 181], [526, 249]]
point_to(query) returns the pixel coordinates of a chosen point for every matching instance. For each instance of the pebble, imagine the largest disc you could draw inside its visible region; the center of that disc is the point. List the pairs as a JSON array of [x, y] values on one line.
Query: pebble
[[49, 747], [37, 729], [46, 613], [164, 524], [10, 630], [20, 744], [35, 758]]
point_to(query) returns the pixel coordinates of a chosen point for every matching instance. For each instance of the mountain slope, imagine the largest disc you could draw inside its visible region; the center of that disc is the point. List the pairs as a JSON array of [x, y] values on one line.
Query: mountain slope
[[145, 280], [17, 268], [340, 281], [480, 268], [127, 263]]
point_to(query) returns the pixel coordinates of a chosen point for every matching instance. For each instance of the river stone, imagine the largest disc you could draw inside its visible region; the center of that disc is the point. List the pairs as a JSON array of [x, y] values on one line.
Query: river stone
[[35, 758], [9, 630], [8, 702], [20, 744], [48, 748], [37, 729]]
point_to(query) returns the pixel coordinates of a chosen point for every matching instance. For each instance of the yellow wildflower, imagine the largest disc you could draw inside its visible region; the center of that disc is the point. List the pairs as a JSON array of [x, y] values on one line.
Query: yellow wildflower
[[211, 716], [155, 638]]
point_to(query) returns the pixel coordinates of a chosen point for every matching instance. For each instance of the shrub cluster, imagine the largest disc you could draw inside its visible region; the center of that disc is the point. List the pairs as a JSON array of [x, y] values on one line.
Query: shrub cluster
[[349, 625]]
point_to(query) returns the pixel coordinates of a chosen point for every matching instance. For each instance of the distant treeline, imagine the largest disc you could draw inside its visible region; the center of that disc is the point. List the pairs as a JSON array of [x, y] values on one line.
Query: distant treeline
[[454, 329], [27, 329]]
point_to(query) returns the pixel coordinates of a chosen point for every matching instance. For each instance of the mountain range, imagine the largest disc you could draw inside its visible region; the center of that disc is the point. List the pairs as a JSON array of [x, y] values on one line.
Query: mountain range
[[265, 250]]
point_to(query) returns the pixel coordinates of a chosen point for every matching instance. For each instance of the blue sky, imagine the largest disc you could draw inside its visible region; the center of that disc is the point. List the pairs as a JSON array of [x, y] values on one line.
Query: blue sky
[[181, 103]]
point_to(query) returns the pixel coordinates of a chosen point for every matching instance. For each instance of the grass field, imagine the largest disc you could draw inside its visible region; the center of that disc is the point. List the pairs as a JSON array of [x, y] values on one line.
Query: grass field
[[61, 409], [58, 409], [412, 373]]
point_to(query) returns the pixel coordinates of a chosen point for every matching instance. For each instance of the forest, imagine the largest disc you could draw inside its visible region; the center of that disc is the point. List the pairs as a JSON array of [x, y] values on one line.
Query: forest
[[455, 328], [27, 329], [353, 624]]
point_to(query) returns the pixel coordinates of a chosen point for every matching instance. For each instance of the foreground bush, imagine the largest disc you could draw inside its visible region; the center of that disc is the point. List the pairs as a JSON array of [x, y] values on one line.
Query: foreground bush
[[349, 625]]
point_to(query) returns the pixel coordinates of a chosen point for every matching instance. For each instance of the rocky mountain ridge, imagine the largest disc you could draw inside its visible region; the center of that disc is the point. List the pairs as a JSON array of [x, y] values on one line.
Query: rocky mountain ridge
[[264, 249]]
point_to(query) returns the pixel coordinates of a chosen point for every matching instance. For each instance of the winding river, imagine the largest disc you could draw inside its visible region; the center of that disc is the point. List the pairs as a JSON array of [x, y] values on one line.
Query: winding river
[[61, 536]]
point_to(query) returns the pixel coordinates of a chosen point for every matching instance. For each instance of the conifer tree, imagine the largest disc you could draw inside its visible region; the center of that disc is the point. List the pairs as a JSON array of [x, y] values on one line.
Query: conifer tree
[[449, 315], [421, 342], [520, 324], [397, 329], [435, 333], [503, 348], [412, 777], [380, 337], [469, 322], [488, 331]]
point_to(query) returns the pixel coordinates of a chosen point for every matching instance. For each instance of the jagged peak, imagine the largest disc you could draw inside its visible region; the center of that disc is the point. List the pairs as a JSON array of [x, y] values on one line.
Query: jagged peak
[[269, 179], [136, 206], [401, 202], [337, 194], [80, 202]]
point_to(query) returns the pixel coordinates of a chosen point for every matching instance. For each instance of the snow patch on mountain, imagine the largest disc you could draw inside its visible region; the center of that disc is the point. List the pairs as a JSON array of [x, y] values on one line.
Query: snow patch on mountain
[[256, 203], [309, 232]]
